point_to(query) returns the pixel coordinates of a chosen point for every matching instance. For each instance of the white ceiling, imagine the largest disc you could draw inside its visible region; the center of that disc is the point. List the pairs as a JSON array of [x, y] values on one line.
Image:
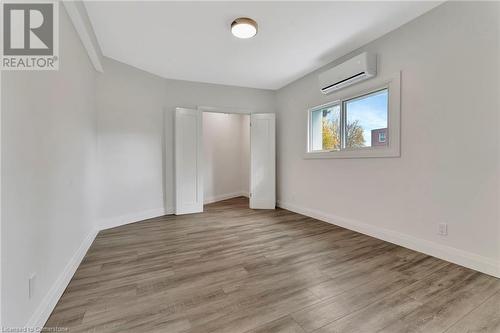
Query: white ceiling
[[192, 40]]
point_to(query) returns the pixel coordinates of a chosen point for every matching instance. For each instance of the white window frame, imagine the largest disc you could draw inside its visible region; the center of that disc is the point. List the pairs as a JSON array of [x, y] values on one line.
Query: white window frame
[[392, 149], [380, 135]]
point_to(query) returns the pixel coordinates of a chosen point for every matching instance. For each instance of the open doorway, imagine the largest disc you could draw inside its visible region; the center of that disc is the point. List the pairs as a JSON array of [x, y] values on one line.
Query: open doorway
[[226, 156], [190, 160]]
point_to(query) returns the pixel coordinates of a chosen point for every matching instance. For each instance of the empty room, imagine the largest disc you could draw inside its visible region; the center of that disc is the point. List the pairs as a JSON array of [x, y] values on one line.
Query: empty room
[[250, 166]]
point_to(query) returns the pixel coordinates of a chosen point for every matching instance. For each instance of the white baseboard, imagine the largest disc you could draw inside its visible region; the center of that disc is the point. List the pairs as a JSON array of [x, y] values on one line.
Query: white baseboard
[[43, 311], [48, 303], [134, 217], [451, 254], [224, 197], [457, 256]]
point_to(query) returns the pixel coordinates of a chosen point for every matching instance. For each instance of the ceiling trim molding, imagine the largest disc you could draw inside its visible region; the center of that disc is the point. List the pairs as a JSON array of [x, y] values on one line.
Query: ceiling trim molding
[[78, 15]]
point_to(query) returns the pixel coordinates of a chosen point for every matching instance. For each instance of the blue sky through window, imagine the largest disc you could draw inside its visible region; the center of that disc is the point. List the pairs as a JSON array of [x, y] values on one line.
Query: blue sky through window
[[332, 113], [370, 111]]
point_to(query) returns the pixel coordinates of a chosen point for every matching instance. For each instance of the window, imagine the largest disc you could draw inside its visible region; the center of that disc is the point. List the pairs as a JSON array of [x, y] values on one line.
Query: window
[[357, 125], [325, 124], [366, 116]]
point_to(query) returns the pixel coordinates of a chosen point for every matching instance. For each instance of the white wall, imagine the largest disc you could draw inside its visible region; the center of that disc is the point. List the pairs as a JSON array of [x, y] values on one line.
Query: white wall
[[226, 146], [135, 144], [48, 166], [449, 167], [130, 130]]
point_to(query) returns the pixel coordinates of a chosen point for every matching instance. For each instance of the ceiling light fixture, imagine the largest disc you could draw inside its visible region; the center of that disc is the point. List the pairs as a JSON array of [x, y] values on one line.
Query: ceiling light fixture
[[244, 27]]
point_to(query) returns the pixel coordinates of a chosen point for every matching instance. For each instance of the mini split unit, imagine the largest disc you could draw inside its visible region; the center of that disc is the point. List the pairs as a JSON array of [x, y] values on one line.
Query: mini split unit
[[354, 70]]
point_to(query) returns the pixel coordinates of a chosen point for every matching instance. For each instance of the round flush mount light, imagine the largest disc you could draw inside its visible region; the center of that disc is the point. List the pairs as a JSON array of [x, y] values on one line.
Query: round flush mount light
[[244, 27]]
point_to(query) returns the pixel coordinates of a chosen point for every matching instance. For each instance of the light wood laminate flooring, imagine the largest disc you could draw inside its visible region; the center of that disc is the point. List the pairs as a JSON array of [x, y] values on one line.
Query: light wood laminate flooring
[[232, 269]]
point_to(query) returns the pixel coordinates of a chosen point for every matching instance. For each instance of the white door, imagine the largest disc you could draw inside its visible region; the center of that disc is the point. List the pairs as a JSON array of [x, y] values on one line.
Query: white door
[[262, 161], [188, 161]]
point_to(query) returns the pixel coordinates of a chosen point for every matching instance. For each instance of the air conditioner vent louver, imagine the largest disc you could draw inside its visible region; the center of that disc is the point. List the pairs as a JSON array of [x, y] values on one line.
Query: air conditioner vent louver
[[359, 68]]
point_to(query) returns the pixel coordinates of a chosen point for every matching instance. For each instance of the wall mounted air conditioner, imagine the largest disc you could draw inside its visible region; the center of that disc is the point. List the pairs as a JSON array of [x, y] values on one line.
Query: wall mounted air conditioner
[[354, 70]]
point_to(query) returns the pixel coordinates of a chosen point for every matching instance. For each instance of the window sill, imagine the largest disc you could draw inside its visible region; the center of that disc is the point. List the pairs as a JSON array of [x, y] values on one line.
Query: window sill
[[357, 153]]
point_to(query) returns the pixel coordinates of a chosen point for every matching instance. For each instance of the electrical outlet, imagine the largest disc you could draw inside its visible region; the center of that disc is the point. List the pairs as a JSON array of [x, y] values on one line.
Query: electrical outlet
[[31, 285], [443, 229]]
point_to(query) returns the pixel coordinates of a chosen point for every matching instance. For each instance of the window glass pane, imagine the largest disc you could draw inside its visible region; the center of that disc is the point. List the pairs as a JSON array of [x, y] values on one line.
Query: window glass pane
[[325, 128], [366, 120]]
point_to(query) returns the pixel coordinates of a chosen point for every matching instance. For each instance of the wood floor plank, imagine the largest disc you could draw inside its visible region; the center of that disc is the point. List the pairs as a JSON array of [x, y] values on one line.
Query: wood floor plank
[[439, 313], [483, 319], [392, 309], [232, 269], [282, 325], [333, 308]]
